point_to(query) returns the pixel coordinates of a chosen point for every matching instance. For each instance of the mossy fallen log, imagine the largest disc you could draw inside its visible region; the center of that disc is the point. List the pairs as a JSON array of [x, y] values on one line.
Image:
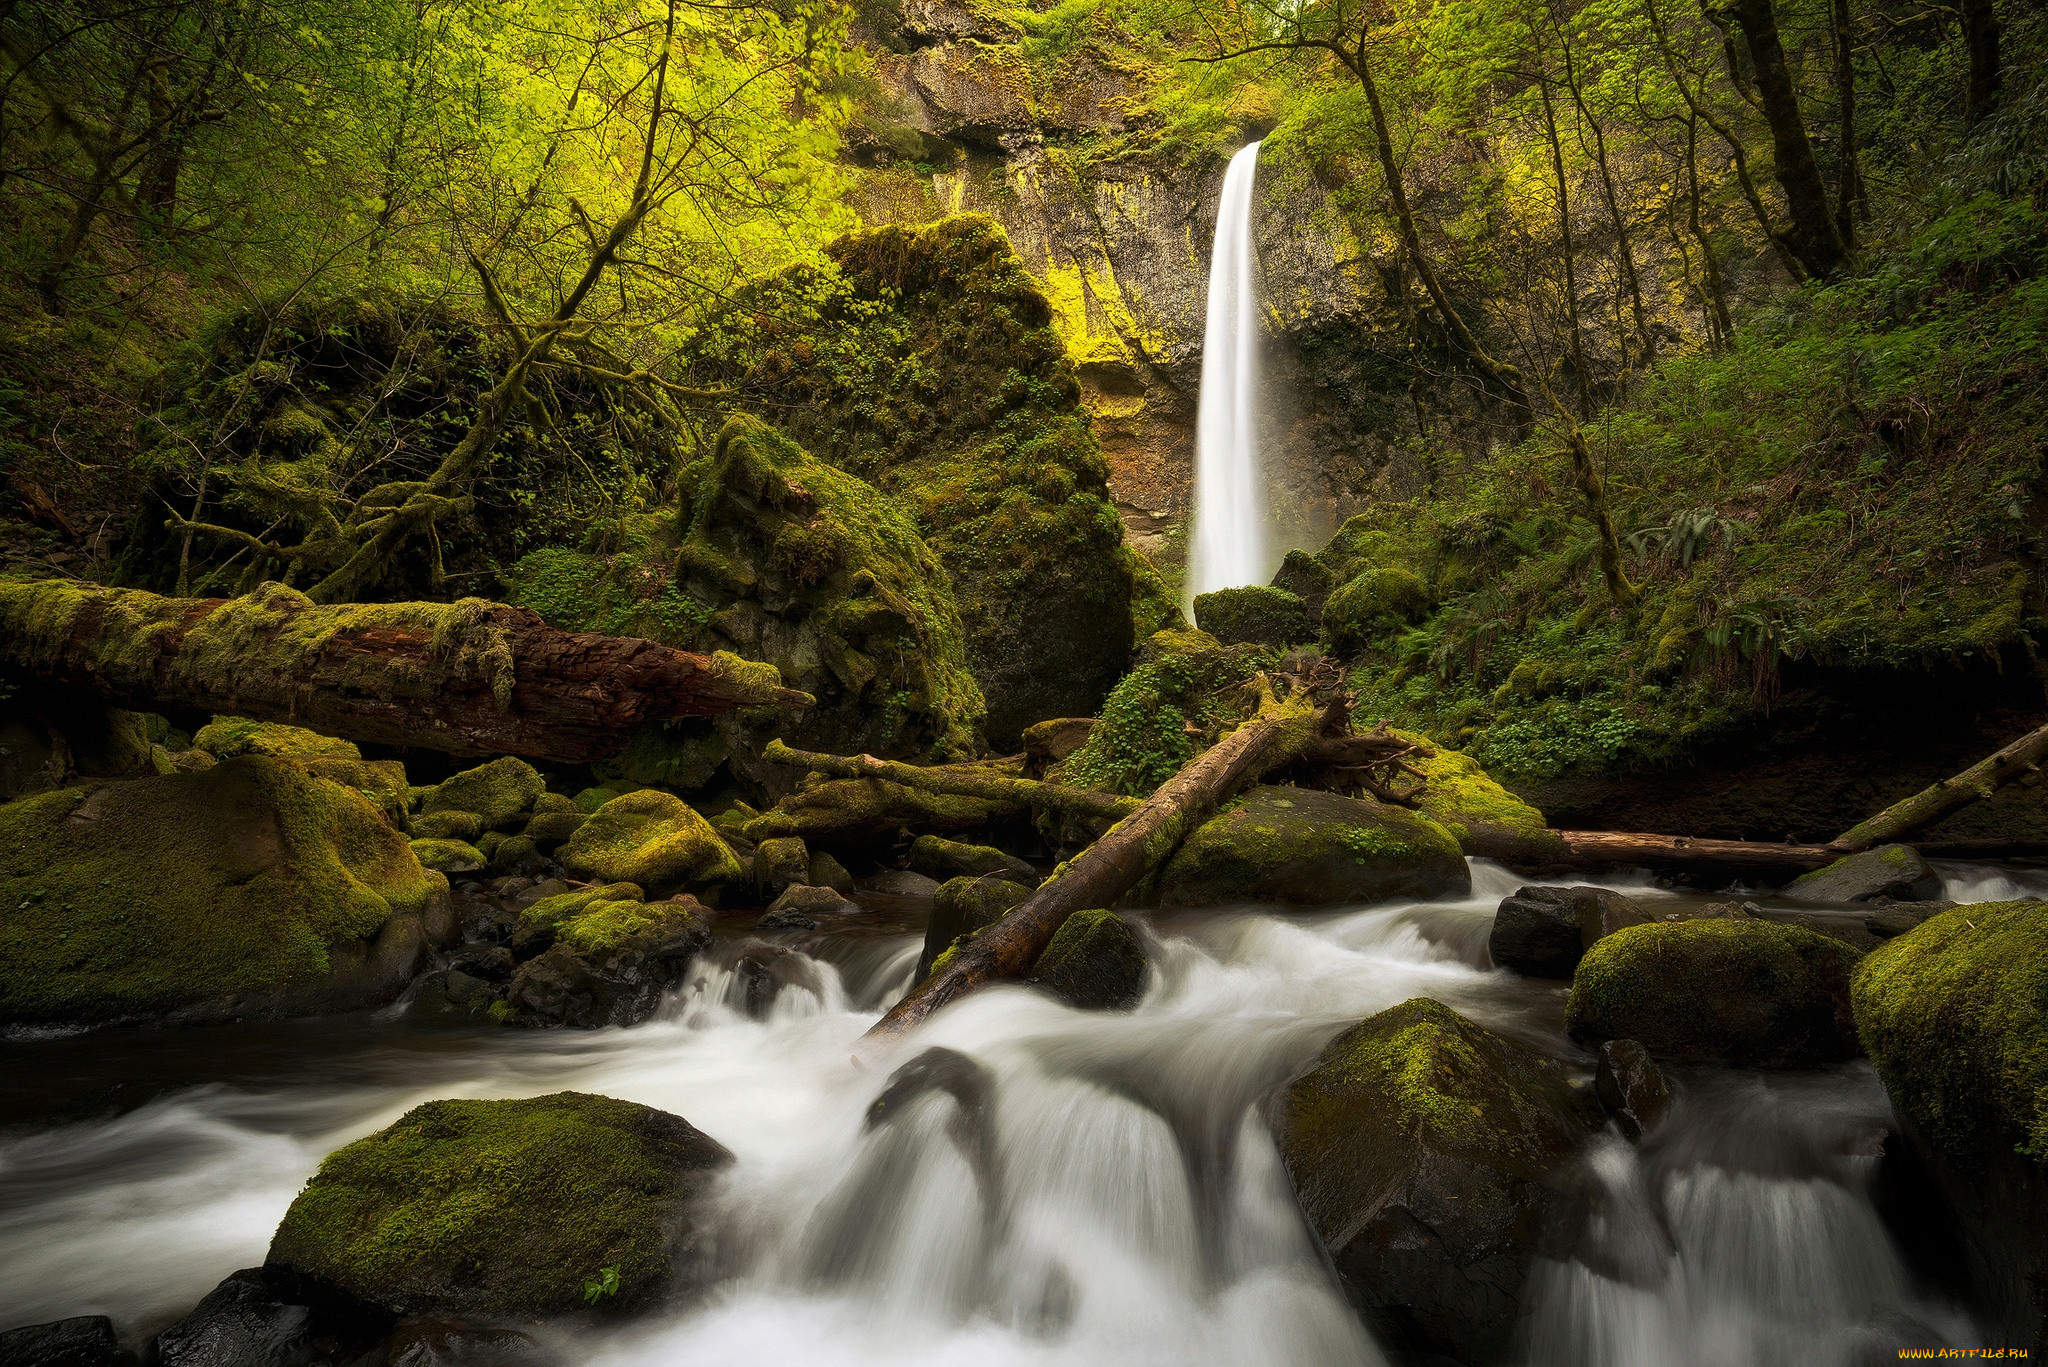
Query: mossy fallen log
[[1930, 804], [469, 678], [960, 780], [1113, 865]]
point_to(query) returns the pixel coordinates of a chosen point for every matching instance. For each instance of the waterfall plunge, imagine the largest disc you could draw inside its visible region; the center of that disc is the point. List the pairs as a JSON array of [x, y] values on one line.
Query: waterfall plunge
[[1230, 483]]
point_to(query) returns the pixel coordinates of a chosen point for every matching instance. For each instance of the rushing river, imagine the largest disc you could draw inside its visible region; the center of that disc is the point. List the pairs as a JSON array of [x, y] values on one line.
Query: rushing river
[[1139, 1213]]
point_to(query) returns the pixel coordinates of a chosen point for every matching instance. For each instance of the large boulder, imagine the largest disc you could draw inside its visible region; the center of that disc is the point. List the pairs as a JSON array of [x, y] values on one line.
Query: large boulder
[[1543, 932], [1422, 1147], [329, 757], [1095, 962], [1371, 607], [1487, 820], [960, 907], [1307, 847], [1255, 614], [249, 889], [1895, 873], [651, 838], [1142, 738], [1954, 1015], [501, 793], [1746, 992], [506, 1209]]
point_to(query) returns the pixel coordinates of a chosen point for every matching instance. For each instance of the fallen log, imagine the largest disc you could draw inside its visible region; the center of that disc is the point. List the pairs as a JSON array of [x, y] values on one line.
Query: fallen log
[[961, 780], [1931, 804], [1113, 865], [469, 678], [1681, 853]]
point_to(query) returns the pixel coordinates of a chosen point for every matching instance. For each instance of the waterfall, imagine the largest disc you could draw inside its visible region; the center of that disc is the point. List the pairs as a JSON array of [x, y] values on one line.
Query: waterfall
[[1230, 484]]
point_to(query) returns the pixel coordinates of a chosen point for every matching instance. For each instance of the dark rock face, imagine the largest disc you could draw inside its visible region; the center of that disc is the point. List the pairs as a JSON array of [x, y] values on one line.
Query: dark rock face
[[1049, 742], [83, 1341], [1632, 1087], [502, 1210], [270, 1317], [1894, 873], [1095, 962], [939, 858], [1306, 847], [1254, 614], [903, 883], [1955, 1016], [1424, 1149], [1543, 932], [1747, 992], [961, 906]]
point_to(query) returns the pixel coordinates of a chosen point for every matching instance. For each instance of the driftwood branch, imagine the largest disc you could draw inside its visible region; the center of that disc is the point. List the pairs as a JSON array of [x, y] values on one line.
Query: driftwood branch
[[1103, 872], [1679, 853], [1930, 805], [961, 780], [470, 678]]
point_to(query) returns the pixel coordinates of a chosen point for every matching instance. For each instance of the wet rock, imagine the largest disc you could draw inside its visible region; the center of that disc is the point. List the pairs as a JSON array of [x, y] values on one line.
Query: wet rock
[[1955, 1016], [458, 1343], [764, 969], [83, 1341], [1306, 847], [1423, 1149], [447, 825], [1891, 872], [653, 839], [448, 856], [550, 830], [270, 1317], [546, 887], [780, 863], [1095, 961], [1542, 932], [492, 963], [1253, 615], [799, 906], [941, 859], [961, 907], [611, 960], [903, 883], [827, 872], [1900, 917], [518, 854], [500, 793], [1049, 742], [1308, 579], [247, 890], [1631, 1087], [503, 1209], [1744, 992]]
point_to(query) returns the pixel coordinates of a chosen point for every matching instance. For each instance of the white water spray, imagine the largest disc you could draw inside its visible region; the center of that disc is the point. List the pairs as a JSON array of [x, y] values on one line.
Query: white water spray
[[1230, 483]]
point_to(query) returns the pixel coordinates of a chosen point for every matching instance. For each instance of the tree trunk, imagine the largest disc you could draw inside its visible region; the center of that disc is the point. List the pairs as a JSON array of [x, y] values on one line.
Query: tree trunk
[[469, 678], [1717, 294], [1980, 34], [1813, 236], [1849, 179], [1680, 853], [963, 780], [1622, 247], [1594, 489], [1113, 865], [1929, 805], [1576, 336]]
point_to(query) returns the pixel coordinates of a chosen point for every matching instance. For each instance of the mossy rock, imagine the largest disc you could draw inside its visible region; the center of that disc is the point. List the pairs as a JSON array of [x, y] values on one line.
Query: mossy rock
[[1141, 739], [601, 956], [500, 793], [1422, 1147], [550, 830], [505, 1209], [1181, 640], [1308, 579], [963, 906], [948, 388], [1095, 962], [447, 824], [1307, 847], [227, 737], [247, 889], [1372, 606], [1253, 615], [779, 864], [1893, 873], [1954, 1014], [650, 838], [852, 812], [1486, 820], [937, 857], [383, 781], [588, 800], [1746, 992], [449, 855]]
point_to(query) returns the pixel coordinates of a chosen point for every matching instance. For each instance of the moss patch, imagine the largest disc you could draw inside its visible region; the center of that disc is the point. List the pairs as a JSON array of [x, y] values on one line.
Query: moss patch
[[499, 792], [1306, 847], [226, 737], [1095, 961], [503, 1208], [1142, 739], [652, 839]]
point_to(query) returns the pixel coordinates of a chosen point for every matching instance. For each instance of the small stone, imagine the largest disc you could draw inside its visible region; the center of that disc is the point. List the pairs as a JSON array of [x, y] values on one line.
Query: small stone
[[799, 903], [903, 883], [1632, 1087]]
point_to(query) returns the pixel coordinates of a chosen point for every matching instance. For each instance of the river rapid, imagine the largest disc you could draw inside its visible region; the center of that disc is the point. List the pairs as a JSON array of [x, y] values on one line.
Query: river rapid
[[1138, 1213]]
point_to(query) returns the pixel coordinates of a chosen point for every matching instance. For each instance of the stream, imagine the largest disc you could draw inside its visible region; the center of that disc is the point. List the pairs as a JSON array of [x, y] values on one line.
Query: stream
[[1139, 1214]]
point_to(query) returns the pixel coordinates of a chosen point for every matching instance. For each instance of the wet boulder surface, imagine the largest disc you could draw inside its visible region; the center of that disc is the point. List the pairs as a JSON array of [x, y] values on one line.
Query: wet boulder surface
[[1306, 847], [81, 1341], [1543, 932], [1426, 1152], [1890, 873], [1737, 991], [1095, 962]]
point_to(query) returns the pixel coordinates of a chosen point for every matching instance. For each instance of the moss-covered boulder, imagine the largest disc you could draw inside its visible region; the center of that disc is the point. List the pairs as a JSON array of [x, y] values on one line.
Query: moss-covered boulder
[[1745, 992], [448, 855], [779, 557], [1255, 614], [329, 757], [550, 830], [940, 858], [780, 863], [1421, 1146], [960, 907], [447, 824], [651, 838], [1894, 873], [501, 793], [1954, 1013], [1142, 738], [600, 956], [248, 889], [506, 1209], [1308, 579], [1095, 962], [1306, 847], [1486, 820], [1372, 606], [946, 386]]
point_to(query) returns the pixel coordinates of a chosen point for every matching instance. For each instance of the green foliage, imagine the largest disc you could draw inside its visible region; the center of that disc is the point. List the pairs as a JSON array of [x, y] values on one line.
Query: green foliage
[[1141, 739]]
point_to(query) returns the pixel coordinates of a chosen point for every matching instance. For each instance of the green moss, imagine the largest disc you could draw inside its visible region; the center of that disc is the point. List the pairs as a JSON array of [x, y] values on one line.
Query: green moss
[[501, 1208], [1254, 614], [1141, 739], [1486, 819], [226, 737], [137, 898], [449, 856], [447, 824], [854, 810], [652, 839], [1955, 1015], [1311, 848], [1749, 992], [593, 920], [1094, 961], [499, 792], [1372, 605]]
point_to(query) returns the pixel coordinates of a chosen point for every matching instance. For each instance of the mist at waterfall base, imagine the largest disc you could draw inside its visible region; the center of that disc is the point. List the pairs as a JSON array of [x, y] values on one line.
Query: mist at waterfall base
[[1139, 1213], [1229, 544]]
